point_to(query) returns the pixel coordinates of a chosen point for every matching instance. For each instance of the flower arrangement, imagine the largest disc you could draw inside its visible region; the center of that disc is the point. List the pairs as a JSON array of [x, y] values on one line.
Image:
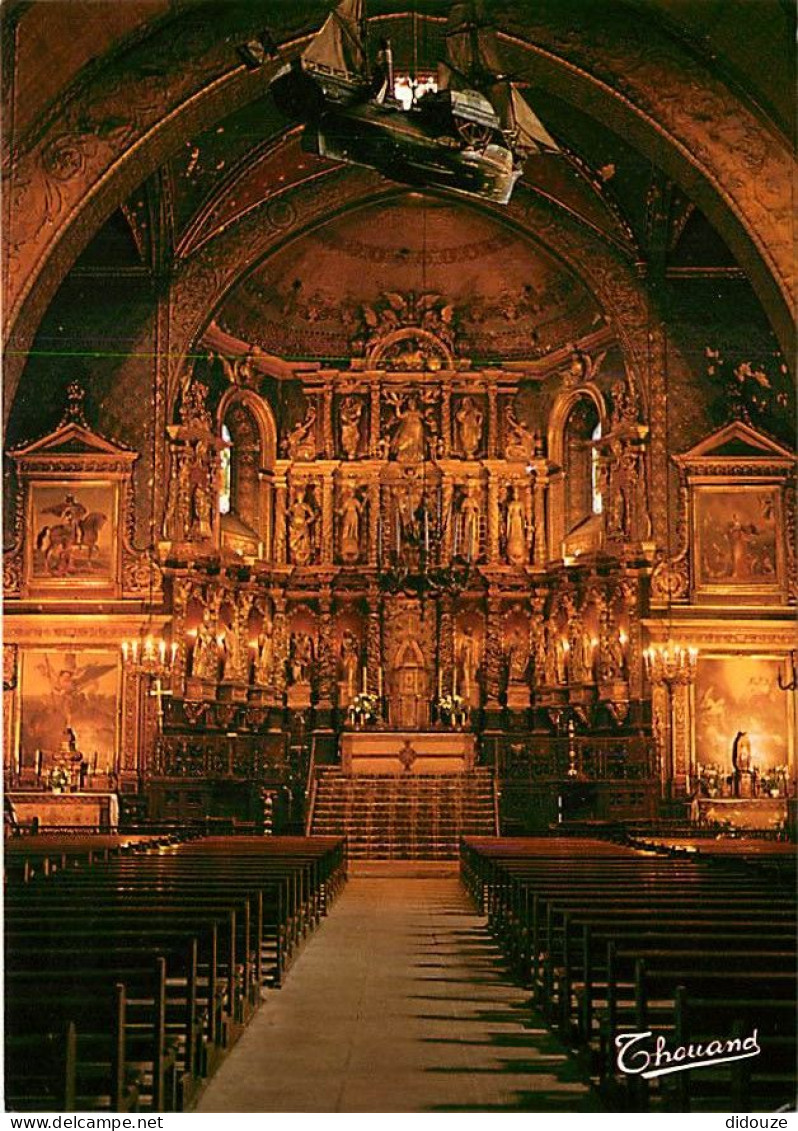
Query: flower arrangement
[[774, 782], [364, 709], [58, 779], [710, 779], [452, 709]]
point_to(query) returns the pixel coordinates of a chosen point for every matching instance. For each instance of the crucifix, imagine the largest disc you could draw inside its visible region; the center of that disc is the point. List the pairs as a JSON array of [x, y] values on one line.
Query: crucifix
[[159, 692]]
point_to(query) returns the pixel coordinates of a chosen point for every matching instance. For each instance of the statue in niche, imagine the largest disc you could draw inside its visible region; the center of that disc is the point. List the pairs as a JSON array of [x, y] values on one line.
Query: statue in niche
[[300, 443], [537, 637], [467, 655], [519, 442], [351, 412], [350, 662], [301, 518], [580, 650], [350, 512], [611, 656], [469, 422], [236, 656], [408, 444], [264, 658], [553, 655], [470, 512], [205, 658], [301, 657], [517, 656], [515, 529]]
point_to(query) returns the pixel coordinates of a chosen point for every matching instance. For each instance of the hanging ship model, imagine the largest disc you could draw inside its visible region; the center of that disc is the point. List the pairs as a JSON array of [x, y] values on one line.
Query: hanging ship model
[[472, 134]]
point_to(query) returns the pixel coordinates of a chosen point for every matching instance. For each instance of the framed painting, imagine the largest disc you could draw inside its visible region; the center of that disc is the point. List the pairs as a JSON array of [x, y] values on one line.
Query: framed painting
[[69, 689], [737, 540], [72, 534], [736, 693]]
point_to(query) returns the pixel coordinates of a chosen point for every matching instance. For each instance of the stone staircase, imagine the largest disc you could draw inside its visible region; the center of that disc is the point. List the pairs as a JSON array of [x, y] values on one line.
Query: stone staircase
[[403, 816]]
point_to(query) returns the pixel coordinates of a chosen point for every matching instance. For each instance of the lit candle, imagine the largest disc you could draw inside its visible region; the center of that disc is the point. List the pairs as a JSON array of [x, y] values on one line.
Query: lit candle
[[135, 650], [440, 684], [364, 679], [379, 681], [174, 650], [454, 683], [162, 650], [124, 650]]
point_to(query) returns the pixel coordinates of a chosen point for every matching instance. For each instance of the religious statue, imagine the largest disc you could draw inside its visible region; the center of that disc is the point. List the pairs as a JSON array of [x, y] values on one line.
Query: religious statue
[[624, 409], [264, 656], [469, 422], [553, 655], [205, 659], [741, 760], [519, 442], [611, 659], [300, 443], [517, 656], [409, 439], [301, 657], [301, 518], [351, 412], [515, 519], [236, 655], [350, 512], [468, 661], [468, 545], [350, 662]]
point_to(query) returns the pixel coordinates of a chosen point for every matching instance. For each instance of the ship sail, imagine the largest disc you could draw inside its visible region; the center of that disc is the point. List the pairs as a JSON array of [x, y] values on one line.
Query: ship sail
[[339, 46], [519, 121], [472, 53]]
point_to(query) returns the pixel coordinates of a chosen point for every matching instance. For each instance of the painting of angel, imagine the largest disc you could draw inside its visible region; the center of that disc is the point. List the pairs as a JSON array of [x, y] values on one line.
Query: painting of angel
[[75, 690]]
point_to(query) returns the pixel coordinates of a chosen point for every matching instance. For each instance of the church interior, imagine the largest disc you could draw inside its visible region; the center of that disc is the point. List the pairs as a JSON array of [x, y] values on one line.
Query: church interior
[[399, 500]]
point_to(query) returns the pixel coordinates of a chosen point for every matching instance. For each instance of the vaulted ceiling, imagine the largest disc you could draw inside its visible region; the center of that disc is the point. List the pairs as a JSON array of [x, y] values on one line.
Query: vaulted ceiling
[[137, 144]]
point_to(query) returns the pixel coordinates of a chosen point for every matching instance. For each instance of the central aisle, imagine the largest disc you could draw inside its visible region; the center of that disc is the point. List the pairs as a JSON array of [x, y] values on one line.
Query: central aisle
[[399, 1003]]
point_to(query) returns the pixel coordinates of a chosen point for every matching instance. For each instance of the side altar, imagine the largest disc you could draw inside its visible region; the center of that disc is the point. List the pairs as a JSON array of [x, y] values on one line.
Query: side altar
[[415, 752]]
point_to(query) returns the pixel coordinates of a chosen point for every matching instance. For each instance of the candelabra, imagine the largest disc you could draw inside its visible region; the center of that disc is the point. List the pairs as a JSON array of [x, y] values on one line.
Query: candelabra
[[671, 663], [417, 565], [150, 660]]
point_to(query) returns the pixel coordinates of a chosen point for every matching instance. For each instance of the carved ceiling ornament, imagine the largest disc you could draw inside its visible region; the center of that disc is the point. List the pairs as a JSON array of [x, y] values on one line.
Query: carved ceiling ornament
[[407, 333]]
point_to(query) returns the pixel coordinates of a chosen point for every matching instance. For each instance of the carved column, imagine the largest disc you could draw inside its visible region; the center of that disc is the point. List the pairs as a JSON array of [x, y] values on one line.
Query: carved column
[[445, 647], [327, 422], [540, 551], [493, 517], [327, 517], [660, 725], [10, 662], [374, 420], [493, 421], [327, 657], [280, 493], [373, 658], [449, 517], [680, 719], [529, 512], [280, 630], [446, 418], [374, 523], [493, 652], [634, 662]]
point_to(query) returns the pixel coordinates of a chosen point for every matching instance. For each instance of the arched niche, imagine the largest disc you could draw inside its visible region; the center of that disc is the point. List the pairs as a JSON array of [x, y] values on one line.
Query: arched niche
[[578, 420], [245, 420]]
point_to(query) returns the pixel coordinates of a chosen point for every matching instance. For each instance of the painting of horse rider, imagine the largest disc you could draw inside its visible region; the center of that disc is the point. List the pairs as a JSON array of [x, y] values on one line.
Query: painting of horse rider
[[72, 531]]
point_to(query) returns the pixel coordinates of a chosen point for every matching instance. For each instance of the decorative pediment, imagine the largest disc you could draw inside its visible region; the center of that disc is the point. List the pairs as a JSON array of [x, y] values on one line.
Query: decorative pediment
[[73, 446], [735, 446]]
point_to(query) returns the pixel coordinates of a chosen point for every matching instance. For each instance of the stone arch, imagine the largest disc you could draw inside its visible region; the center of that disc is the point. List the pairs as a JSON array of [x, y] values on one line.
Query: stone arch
[[561, 413], [252, 457]]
